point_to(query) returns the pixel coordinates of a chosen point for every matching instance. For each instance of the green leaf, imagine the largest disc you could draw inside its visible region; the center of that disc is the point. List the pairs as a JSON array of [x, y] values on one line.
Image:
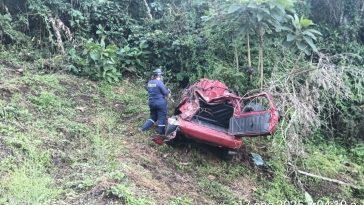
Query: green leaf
[[259, 16], [311, 43], [264, 10], [290, 37], [102, 42], [307, 33], [301, 45], [307, 51], [314, 31], [233, 8], [286, 3], [287, 44], [206, 18], [308, 199], [109, 80], [94, 55], [295, 21], [306, 22]]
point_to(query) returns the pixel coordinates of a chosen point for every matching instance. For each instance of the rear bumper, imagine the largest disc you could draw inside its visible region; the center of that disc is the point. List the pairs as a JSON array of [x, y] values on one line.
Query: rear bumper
[[208, 135]]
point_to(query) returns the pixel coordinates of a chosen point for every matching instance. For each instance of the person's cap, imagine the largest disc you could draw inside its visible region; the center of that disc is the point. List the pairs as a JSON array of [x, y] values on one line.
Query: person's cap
[[157, 71]]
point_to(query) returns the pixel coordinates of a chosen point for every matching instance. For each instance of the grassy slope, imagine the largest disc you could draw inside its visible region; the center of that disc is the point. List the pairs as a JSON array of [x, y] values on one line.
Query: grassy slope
[[66, 140]]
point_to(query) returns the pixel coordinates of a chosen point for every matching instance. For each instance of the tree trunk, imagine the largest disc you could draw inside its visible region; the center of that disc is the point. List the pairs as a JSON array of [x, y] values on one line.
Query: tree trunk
[[148, 10], [249, 59], [248, 44], [236, 58], [261, 60]]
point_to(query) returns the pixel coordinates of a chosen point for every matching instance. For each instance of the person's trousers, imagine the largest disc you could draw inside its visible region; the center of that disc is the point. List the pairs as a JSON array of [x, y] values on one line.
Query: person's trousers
[[158, 115]]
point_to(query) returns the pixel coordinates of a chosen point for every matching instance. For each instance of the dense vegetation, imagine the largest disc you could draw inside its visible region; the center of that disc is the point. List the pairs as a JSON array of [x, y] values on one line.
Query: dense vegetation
[[308, 54]]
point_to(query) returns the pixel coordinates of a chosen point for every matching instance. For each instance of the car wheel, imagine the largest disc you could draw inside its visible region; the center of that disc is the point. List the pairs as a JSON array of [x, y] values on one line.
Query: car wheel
[[178, 140]]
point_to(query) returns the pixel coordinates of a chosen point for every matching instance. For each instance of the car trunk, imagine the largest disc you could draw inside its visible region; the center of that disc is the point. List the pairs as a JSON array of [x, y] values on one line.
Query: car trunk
[[214, 116], [220, 117]]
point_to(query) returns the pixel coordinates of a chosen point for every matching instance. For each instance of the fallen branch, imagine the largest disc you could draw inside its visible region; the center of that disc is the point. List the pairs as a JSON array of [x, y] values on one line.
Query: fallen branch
[[327, 179]]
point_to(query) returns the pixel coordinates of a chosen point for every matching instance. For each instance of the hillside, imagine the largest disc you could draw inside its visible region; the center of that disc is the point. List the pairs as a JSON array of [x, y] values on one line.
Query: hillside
[[72, 97], [69, 140]]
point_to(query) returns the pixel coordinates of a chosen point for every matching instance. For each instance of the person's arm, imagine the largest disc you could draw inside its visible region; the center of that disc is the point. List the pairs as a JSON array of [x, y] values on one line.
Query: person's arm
[[163, 89], [146, 85]]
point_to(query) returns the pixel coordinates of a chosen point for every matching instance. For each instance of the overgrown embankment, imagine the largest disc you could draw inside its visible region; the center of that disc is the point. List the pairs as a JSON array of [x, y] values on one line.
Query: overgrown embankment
[[68, 140]]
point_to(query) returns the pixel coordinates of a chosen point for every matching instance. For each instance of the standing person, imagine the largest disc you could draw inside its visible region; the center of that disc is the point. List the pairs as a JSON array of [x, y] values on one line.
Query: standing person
[[157, 93]]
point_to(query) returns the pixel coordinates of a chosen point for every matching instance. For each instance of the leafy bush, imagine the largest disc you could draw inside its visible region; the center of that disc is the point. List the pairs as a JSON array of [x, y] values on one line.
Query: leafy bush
[[8, 33], [132, 58], [302, 37], [97, 61]]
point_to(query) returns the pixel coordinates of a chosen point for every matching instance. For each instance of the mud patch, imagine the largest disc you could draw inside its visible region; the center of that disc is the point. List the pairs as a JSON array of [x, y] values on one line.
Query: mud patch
[[6, 94], [8, 91], [320, 189], [69, 85], [10, 65], [4, 151]]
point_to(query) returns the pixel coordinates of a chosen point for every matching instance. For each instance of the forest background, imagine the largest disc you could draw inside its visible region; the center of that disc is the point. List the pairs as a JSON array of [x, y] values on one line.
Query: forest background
[[307, 53]]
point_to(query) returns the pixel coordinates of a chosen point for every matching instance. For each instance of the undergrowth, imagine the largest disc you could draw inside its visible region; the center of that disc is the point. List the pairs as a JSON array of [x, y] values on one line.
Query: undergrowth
[[68, 140]]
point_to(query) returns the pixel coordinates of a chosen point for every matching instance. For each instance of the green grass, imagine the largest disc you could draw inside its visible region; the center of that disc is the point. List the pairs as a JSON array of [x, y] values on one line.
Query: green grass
[[181, 200], [51, 151], [25, 178], [326, 160], [123, 191], [28, 184], [67, 140], [47, 100], [279, 188], [219, 192], [331, 159], [42, 82]]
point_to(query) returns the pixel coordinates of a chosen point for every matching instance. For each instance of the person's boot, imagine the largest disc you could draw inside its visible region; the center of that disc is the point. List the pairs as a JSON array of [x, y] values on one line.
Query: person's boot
[[147, 125], [161, 130]]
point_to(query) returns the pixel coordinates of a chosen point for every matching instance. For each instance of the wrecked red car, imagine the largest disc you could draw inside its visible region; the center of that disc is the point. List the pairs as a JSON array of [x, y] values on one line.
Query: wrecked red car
[[210, 113]]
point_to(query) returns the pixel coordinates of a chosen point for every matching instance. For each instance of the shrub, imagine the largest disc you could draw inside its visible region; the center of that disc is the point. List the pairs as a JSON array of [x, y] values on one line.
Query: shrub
[[98, 61]]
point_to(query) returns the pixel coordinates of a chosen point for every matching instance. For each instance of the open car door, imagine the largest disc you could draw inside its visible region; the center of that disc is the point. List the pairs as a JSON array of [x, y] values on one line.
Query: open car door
[[258, 117]]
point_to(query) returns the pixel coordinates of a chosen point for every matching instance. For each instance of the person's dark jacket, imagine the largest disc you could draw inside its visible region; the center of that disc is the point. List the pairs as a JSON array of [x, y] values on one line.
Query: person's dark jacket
[[157, 91]]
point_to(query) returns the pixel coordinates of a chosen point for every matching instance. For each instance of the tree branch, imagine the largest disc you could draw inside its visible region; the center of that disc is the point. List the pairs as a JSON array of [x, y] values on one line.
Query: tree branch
[[148, 10], [327, 179]]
